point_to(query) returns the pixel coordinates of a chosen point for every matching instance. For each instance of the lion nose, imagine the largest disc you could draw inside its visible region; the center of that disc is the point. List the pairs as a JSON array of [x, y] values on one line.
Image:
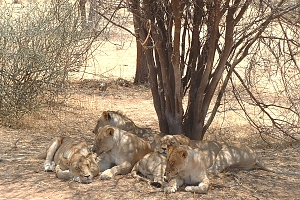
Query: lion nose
[[164, 149]]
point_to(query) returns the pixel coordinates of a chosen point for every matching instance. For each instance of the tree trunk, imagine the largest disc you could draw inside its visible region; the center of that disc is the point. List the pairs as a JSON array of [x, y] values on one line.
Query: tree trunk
[[141, 72]]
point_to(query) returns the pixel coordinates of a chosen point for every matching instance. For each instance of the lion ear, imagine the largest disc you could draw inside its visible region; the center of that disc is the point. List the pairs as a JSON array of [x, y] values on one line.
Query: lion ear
[[157, 138], [183, 153], [110, 132], [106, 115]]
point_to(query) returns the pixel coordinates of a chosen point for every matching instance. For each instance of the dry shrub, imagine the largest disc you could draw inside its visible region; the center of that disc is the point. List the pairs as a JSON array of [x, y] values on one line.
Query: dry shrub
[[40, 44]]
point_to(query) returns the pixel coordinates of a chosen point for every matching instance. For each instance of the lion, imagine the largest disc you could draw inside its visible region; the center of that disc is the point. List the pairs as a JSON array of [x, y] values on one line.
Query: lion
[[209, 148], [239, 156], [70, 159], [161, 143], [219, 156], [119, 150], [186, 165], [152, 167], [118, 119]]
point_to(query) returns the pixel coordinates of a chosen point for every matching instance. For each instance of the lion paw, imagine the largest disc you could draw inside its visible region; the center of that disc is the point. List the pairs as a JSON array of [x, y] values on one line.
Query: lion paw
[[202, 188], [77, 179], [106, 175], [169, 190], [57, 168], [49, 167]]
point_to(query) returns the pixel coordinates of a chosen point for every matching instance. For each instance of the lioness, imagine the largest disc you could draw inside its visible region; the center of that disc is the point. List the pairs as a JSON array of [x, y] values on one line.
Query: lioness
[[152, 166], [116, 119], [238, 156], [186, 166], [120, 149], [219, 156], [70, 159]]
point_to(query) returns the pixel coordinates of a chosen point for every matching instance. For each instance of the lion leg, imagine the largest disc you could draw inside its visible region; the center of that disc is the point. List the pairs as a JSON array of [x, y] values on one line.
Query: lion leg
[[136, 176], [224, 160], [63, 174], [123, 168], [201, 188], [104, 162], [55, 143], [173, 185]]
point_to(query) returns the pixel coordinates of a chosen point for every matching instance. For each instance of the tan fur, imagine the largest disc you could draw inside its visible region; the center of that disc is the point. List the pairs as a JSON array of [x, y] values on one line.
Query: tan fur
[[152, 166], [71, 159], [217, 156], [186, 165], [161, 143], [238, 156], [120, 148], [117, 119]]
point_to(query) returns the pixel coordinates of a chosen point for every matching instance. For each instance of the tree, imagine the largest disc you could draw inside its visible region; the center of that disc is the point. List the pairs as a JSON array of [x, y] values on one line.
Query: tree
[[142, 72], [193, 48]]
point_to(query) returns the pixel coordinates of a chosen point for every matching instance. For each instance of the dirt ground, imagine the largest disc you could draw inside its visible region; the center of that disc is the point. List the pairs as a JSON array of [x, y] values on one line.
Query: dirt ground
[[77, 117]]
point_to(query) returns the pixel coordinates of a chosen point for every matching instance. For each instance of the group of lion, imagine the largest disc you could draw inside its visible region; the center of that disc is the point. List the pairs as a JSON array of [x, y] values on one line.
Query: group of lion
[[168, 162]]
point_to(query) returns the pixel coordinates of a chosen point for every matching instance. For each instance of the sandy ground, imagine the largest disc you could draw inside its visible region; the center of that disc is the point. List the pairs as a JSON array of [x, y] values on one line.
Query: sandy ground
[[27, 180], [77, 117]]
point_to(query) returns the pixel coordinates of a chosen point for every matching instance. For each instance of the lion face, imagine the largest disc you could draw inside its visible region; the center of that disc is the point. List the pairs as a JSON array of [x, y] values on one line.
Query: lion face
[[170, 140], [176, 160], [82, 167], [104, 140]]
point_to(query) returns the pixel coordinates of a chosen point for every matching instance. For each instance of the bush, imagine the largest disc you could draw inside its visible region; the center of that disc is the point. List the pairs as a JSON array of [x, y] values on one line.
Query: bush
[[39, 46]]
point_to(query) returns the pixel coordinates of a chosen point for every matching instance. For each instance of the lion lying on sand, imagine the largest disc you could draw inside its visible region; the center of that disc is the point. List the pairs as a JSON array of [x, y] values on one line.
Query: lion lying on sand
[[186, 165], [215, 156], [69, 158], [118, 151]]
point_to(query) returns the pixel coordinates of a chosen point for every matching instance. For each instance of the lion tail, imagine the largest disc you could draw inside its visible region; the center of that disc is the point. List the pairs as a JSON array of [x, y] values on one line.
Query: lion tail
[[263, 166]]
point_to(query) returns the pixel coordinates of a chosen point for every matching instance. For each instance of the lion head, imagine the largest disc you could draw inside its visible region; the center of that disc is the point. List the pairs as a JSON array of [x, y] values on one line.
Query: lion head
[[176, 160], [116, 119], [163, 142], [104, 140], [82, 166]]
